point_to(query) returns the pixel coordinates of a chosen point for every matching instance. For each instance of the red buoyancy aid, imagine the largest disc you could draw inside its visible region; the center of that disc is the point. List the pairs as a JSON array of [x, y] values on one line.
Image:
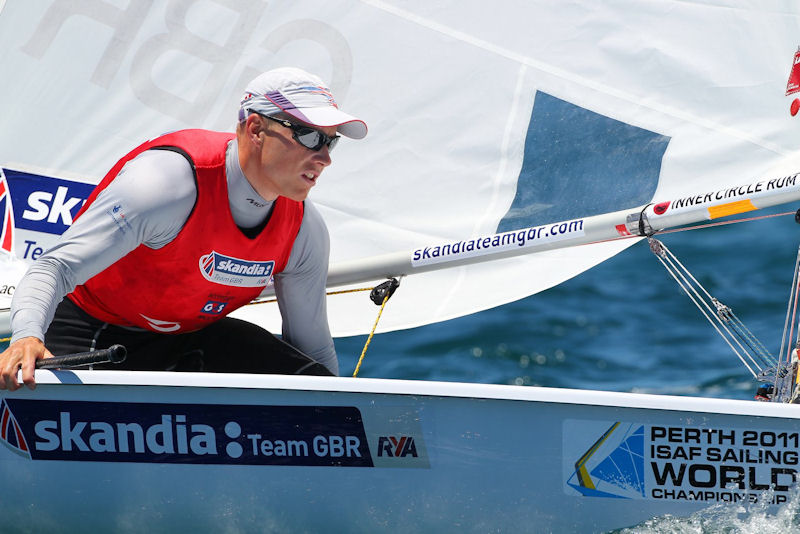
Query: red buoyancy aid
[[209, 269]]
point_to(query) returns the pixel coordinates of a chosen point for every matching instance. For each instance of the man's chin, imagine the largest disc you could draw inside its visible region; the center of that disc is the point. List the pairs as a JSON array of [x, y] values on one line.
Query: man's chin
[[298, 196]]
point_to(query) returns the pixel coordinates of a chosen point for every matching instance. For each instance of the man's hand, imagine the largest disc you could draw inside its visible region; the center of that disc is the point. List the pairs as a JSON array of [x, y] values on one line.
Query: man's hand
[[23, 353]]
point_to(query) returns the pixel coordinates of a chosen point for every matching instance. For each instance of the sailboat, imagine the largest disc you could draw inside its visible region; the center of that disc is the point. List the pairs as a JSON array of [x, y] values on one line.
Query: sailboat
[[511, 148]]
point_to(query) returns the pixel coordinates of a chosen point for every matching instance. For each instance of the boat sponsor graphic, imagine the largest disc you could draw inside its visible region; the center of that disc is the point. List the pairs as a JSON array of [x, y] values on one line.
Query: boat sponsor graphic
[[613, 466], [793, 85], [231, 271], [213, 307], [622, 230], [730, 200], [7, 213], [216, 304], [36, 209], [43, 203], [661, 208], [395, 437], [10, 432], [190, 433], [206, 434], [482, 246], [397, 446], [626, 460]]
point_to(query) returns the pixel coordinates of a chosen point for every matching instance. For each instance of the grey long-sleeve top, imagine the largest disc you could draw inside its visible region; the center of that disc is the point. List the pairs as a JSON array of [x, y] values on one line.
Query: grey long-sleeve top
[[157, 192]]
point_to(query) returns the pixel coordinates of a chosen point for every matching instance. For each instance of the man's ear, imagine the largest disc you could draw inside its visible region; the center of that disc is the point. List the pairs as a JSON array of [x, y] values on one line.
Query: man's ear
[[253, 127]]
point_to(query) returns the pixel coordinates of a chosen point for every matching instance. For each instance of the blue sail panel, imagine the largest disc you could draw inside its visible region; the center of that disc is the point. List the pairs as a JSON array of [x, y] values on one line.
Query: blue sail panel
[[579, 163]]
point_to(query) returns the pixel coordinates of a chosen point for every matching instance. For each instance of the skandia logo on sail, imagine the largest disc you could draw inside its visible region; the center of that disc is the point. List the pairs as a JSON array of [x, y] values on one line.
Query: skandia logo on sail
[[229, 271], [42, 203], [185, 433]]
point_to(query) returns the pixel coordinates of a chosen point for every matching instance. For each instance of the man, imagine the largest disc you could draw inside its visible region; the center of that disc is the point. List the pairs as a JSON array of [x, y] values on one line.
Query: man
[[185, 229]]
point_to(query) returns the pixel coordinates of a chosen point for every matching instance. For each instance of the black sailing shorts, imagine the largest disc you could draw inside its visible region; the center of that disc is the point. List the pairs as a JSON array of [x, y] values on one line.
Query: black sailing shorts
[[226, 346]]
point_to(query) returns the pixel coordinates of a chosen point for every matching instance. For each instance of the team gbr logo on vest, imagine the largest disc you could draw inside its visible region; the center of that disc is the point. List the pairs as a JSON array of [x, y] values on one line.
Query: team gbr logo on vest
[[229, 271]]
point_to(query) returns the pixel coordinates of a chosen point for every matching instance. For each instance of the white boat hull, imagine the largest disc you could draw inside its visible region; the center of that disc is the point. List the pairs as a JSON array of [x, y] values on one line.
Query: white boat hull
[[277, 453]]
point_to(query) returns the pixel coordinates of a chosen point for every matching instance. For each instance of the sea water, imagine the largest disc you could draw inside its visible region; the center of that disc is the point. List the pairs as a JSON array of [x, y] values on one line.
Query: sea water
[[728, 518]]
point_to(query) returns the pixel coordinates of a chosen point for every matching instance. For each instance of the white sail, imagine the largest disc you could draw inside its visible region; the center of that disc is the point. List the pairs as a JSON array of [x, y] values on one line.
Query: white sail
[[483, 118]]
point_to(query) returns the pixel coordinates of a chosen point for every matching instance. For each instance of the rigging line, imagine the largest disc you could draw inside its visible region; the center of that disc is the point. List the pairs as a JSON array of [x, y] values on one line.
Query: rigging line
[[748, 338], [787, 388], [791, 314], [329, 293], [708, 318], [684, 269], [735, 335], [683, 284], [710, 312], [742, 333], [723, 223], [794, 320], [716, 326], [789, 305], [371, 334], [686, 228]]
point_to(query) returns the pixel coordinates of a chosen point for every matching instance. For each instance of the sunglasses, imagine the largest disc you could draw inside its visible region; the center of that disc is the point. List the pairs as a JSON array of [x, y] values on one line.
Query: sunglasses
[[308, 137]]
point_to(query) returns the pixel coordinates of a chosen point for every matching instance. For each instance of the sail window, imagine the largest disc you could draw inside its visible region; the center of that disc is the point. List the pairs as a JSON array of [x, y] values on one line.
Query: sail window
[[580, 163]]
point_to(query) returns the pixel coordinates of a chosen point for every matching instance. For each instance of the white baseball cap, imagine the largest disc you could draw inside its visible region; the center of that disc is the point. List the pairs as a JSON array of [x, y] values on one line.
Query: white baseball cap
[[301, 95]]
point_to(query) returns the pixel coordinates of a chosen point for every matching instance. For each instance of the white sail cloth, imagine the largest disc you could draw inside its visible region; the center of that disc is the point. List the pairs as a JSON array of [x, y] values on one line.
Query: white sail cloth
[[482, 117]]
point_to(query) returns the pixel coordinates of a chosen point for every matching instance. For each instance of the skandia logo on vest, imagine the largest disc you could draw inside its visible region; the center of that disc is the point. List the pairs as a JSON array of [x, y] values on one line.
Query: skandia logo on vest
[[229, 271]]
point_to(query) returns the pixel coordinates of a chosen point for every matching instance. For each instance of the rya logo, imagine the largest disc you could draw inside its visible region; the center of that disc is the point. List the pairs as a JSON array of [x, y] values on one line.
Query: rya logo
[[397, 447]]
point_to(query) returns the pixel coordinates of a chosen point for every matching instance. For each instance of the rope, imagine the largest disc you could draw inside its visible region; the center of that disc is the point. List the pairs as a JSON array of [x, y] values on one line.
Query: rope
[[687, 228], [783, 386], [380, 295], [723, 223], [340, 292], [389, 288], [720, 316], [372, 333], [700, 303]]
